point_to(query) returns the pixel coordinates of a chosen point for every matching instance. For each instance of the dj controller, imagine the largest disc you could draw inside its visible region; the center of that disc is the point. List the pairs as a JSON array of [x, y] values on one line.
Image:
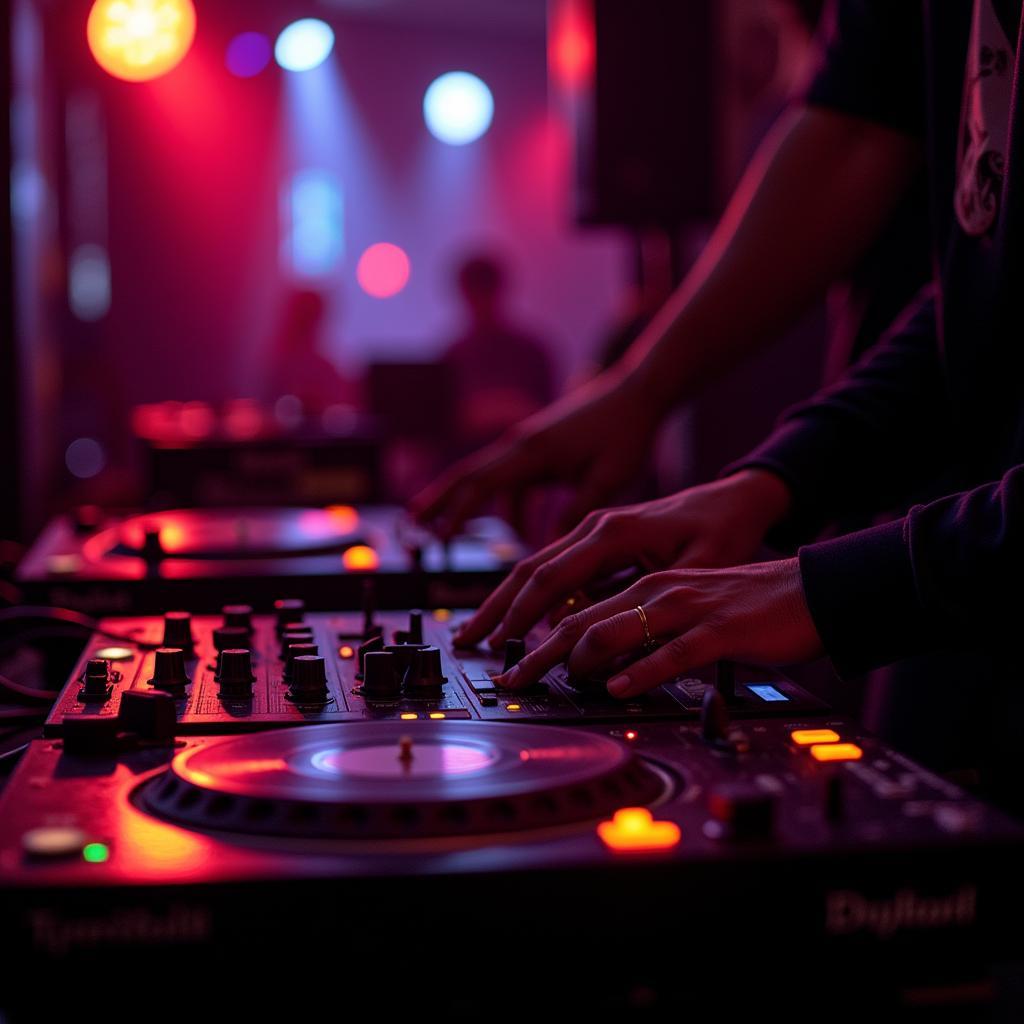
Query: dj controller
[[346, 800], [106, 564]]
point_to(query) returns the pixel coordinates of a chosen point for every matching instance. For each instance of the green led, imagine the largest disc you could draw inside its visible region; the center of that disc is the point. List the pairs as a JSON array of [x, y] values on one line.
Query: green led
[[96, 853]]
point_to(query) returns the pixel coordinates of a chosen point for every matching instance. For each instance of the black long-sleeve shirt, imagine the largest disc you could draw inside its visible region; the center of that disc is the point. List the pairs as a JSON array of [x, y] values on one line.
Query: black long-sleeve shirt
[[945, 391]]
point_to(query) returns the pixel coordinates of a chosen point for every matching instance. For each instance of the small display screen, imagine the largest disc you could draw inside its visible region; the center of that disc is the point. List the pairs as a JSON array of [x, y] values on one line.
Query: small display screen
[[766, 691]]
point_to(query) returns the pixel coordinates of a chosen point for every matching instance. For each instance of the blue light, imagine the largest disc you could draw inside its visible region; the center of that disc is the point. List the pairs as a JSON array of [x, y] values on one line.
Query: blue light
[[458, 108], [248, 54], [314, 229], [304, 45]]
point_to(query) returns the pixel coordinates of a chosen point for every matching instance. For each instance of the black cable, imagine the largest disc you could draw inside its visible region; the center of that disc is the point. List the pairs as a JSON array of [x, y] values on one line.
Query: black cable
[[8, 685], [8, 713], [66, 615]]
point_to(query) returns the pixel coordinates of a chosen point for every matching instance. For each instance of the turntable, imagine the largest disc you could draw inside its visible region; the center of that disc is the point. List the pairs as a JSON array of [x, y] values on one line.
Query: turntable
[[465, 865], [200, 559]]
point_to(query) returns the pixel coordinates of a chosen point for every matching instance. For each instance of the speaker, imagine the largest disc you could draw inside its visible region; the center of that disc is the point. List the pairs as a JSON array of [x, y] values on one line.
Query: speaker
[[637, 82]]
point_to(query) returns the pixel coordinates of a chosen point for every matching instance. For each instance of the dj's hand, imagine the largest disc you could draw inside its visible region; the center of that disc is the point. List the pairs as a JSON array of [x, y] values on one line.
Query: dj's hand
[[720, 523], [752, 613], [593, 438]]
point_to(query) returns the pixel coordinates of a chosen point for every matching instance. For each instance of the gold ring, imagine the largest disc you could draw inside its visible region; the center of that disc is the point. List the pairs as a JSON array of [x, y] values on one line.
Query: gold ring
[[648, 639]]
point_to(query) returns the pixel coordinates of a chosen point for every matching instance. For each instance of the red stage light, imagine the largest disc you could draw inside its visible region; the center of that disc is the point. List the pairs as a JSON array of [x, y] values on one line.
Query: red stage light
[[571, 46], [137, 40], [383, 270]]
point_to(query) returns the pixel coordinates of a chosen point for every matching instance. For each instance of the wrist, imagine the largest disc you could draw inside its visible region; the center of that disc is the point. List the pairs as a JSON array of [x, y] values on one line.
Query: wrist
[[766, 494]]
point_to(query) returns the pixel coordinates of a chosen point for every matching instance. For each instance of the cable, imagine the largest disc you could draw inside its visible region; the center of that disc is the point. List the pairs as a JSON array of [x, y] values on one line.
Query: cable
[[26, 692], [66, 615]]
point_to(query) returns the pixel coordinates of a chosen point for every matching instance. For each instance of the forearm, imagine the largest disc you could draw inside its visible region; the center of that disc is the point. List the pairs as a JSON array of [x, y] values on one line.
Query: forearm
[[816, 195]]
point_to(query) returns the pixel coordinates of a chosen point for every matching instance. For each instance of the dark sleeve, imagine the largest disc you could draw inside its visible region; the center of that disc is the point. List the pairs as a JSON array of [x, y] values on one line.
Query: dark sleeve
[[865, 444], [946, 575], [870, 63]]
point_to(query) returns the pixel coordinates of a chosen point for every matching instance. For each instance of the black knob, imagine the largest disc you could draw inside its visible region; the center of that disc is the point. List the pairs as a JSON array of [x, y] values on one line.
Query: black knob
[[178, 631], [152, 548], [236, 675], [743, 811], [150, 714], [169, 672], [239, 615], [515, 651], [374, 643], [714, 717], [381, 681], [288, 611], [230, 636], [369, 608], [725, 679], [96, 682], [309, 679], [403, 655], [415, 627], [302, 635], [297, 651], [424, 678]]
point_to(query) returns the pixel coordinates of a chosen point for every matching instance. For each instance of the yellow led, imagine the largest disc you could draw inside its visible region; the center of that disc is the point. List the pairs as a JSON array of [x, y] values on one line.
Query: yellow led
[[442, 614], [346, 651], [409, 716], [513, 707], [437, 714], [836, 752], [807, 737]]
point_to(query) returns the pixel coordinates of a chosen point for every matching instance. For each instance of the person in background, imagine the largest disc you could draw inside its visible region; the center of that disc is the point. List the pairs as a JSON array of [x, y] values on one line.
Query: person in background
[[501, 373], [297, 365]]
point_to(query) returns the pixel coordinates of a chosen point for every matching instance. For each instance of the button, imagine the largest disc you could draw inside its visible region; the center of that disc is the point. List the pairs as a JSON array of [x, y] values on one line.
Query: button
[[89, 734], [836, 752], [309, 680], [423, 678], [633, 829], [239, 615], [54, 841], [230, 636], [96, 681], [808, 737], [236, 676], [296, 651], [380, 680], [488, 700]]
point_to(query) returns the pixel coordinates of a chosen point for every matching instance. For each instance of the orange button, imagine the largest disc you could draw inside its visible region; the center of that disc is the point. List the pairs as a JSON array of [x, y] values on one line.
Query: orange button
[[634, 828], [437, 714], [408, 716], [346, 651], [836, 752], [805, 737], [360, 558]]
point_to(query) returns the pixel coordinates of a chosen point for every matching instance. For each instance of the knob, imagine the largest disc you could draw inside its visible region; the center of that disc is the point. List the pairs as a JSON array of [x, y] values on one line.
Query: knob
[[309, 679], [369, 608], [424, 678], [714, 718], [178, 631], [96, 682], [302, 635], [515, 651], [169, 671], [239, 615], [381, 681], [236, 675], [150, 714], [415, 627], [374, 643], [230, 636], [297, 651], [288, 611], [403, 655], [743, 811], [152, 549], [725, 679]]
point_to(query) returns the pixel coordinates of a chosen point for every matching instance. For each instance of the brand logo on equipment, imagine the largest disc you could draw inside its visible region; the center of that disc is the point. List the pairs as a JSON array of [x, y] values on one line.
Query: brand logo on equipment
[[847, 912]]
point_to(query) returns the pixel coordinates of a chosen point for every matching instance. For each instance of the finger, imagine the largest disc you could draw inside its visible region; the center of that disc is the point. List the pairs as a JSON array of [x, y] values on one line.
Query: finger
[[572, 605], [700, 646], [559, 643], [553, 581], [597, 488], [493, 610]]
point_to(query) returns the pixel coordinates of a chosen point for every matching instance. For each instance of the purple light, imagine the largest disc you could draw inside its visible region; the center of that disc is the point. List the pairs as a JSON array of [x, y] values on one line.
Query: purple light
[[248, 54]]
